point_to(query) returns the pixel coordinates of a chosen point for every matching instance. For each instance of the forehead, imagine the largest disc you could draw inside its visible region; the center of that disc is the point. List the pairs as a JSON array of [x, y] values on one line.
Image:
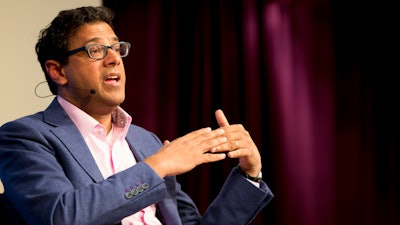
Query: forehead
[[92, 32]]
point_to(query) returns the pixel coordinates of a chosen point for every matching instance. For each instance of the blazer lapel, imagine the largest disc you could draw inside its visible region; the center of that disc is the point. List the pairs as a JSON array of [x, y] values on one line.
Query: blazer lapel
[[69, 135], [136, 147]]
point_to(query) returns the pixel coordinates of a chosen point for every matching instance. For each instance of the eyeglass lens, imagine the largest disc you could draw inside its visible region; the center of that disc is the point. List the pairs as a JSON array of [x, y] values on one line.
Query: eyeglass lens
[[100, 51]]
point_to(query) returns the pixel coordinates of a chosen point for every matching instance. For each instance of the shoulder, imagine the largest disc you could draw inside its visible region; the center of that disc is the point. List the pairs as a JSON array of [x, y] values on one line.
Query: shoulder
[[26, 122], [37, 120]]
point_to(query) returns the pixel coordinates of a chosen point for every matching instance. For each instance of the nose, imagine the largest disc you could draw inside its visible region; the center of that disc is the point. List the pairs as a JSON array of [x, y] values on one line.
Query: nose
[[112, 57]]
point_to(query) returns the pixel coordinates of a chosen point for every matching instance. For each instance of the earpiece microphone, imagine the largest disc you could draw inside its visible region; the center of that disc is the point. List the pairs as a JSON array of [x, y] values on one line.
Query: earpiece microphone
[[91, 91]]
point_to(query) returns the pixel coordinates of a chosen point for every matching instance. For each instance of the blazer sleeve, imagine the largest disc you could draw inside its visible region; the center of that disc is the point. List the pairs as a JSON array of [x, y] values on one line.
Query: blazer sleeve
[[238, 202]]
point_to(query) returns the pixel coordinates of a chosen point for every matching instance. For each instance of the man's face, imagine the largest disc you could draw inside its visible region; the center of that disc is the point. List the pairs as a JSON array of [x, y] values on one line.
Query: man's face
[[106, 76]]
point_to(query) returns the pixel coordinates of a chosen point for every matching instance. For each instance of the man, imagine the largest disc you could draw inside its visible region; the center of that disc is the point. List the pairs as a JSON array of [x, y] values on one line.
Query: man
[[81, 161]]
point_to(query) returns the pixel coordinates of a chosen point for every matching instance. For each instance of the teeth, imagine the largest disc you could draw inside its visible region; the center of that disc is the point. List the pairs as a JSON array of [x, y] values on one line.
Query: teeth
[[112, 78]]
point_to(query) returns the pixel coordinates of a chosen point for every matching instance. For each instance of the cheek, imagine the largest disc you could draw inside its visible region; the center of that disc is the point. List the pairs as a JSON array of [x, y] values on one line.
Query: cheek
[[123, 74], [84, 78], [76, 68]]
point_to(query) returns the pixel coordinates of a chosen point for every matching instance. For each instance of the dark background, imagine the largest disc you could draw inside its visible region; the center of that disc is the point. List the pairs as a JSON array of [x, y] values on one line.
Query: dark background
[[314, 82]]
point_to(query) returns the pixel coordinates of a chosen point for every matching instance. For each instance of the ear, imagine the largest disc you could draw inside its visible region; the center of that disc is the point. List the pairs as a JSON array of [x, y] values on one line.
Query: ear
[[56, 72]]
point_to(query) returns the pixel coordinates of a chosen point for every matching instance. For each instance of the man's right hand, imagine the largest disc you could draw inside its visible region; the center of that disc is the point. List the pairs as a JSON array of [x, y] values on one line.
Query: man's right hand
[[186, 152]]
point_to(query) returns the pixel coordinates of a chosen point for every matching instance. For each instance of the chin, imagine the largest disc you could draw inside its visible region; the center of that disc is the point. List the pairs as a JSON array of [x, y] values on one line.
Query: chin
[[121, 100]]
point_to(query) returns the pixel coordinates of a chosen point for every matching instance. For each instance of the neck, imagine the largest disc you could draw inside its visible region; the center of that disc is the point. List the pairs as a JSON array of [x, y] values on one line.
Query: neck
[[105, 120]]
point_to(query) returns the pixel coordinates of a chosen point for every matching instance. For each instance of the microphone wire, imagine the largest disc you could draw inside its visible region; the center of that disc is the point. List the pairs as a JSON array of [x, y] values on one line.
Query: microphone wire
[[36, 91]]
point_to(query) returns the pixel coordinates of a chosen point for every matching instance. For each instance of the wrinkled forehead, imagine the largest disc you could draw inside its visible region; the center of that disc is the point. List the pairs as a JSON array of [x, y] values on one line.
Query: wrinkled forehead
[[91, 33]]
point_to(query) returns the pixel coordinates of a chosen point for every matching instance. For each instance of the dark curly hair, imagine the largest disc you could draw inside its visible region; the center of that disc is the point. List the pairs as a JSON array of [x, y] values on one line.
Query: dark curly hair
[[53, 40]]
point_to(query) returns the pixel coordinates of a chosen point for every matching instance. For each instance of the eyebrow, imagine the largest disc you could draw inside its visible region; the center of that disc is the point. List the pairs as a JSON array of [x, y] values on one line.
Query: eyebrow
[[96, 39]]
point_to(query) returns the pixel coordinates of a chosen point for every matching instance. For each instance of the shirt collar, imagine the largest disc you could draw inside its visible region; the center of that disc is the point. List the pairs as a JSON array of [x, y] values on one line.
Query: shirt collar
[[85, 123]]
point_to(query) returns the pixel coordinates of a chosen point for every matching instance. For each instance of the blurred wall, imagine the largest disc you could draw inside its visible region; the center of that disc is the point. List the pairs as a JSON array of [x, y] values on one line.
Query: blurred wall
[[21, 22]]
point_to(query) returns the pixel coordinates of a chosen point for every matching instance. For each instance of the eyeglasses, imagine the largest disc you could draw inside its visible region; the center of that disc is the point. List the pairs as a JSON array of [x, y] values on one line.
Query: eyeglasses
[[99, 51]]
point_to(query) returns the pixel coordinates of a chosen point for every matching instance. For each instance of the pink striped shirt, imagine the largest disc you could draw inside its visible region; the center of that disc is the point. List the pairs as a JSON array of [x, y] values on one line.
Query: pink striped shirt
[[110, 151]]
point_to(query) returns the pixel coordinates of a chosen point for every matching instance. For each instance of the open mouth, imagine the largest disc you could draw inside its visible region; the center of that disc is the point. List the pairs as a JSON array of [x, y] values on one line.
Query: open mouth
[[113, 79]]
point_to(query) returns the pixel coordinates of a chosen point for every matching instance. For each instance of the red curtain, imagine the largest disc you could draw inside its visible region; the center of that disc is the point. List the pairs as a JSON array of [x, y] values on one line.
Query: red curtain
[[295, 73]]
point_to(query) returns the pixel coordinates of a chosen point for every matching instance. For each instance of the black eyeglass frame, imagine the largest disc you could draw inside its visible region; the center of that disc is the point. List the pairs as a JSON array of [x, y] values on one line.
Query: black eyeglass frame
[[106, 47]]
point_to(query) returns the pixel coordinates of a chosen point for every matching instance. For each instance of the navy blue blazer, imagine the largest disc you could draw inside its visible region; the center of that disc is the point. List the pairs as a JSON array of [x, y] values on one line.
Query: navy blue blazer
[[50, 177]]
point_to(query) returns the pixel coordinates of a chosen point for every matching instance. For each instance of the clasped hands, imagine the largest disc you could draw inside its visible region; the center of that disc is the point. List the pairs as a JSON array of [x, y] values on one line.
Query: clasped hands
[[206, 145]]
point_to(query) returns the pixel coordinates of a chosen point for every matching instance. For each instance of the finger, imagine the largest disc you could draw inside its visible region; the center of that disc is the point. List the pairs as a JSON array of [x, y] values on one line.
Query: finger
[[196, 133], [230, 146], [202, 141], [236, 154], [213, 157], [212, 139], [226, 147], [221, 119], [236, 137]]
